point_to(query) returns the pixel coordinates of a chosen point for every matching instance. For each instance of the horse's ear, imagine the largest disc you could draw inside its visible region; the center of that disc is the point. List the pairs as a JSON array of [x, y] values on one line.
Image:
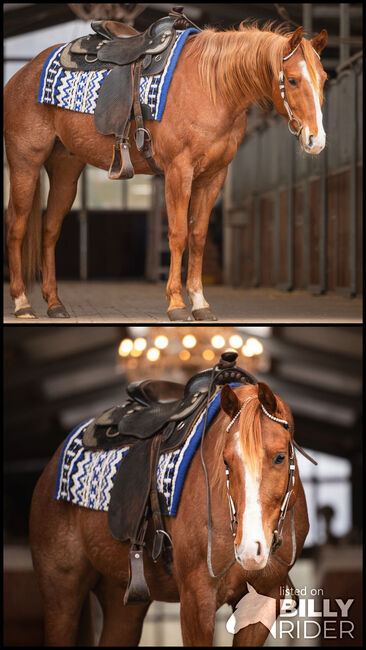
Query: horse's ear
[[319, 42], [294, 40], [229, 401], [266, 397]]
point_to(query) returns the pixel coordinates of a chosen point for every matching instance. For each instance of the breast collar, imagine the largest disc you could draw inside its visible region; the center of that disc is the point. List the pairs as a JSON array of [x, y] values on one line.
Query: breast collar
[[281, 81]]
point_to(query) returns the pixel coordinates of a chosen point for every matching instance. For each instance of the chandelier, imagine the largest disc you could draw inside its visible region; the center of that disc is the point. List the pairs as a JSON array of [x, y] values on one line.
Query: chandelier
[[176, 353]]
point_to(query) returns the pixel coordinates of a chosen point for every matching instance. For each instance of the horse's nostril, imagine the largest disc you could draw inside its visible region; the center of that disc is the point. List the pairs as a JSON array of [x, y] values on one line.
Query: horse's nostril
[[310, 140], [259, 548]]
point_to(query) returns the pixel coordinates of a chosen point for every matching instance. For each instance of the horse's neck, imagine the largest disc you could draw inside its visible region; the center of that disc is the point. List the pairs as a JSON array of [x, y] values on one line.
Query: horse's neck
[[241, 74]]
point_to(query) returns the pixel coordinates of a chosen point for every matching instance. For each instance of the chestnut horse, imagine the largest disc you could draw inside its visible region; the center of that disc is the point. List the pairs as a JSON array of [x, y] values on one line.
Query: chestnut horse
[[74, 551], [218, 75]]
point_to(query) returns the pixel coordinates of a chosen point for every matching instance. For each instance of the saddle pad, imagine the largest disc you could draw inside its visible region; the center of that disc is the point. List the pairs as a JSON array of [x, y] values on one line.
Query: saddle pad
[[86, 478], [78, 91]]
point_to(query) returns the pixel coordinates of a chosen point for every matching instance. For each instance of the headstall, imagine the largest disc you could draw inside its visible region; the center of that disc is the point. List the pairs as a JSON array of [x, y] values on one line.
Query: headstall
[[281, 81], [227, 362]]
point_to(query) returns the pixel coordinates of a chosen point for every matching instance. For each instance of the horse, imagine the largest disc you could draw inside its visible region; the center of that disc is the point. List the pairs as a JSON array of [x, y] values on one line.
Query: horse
[[218, 75], [248, 455]]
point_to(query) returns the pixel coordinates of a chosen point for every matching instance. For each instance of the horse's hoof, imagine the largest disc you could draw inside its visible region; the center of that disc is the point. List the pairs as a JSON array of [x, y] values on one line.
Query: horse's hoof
[[179, 314], [25, 312], [203, 314], [58, 311]]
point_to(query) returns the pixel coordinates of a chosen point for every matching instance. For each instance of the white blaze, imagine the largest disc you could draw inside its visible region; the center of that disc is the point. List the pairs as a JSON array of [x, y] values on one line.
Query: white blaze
[[318, 143], [252, 526]]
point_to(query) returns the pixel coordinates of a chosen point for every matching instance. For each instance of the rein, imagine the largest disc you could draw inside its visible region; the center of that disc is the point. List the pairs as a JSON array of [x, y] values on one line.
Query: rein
[[277, 533]]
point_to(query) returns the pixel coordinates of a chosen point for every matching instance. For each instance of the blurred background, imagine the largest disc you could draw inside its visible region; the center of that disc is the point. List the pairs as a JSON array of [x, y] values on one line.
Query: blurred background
[[56, 377]]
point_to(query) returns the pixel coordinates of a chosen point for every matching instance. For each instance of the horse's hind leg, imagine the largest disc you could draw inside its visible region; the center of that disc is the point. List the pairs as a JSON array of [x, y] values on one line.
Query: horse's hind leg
[[24, 201], [122, 624], [64, 573], [63, 169]]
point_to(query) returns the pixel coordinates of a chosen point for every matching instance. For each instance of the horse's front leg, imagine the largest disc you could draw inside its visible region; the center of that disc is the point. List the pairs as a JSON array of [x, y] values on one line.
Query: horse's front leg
[[197, 610], [178, 182], [204, 193]]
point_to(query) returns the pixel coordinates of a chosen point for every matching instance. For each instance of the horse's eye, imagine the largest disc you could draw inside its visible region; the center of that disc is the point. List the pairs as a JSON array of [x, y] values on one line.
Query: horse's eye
[[292, 81], [279, 459]]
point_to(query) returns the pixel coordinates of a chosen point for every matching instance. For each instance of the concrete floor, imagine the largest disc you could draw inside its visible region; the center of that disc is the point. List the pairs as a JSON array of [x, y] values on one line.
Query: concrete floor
[[141, 302]]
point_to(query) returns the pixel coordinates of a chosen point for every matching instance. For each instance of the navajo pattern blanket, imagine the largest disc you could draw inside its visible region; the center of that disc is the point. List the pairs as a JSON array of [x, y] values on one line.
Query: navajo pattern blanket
[[86, 478], [79, 91]]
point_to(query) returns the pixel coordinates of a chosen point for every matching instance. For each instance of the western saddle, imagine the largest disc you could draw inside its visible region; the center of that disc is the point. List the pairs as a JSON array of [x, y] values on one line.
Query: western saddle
[[157, 418], [129, 55]]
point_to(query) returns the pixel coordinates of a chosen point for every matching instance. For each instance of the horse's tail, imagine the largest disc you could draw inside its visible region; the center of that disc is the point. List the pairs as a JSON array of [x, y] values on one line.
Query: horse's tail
[[32, 242], [86, 633]]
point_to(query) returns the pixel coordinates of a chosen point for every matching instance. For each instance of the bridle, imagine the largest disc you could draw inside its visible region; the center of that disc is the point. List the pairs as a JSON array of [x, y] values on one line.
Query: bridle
[[277, 533], [281, 81]]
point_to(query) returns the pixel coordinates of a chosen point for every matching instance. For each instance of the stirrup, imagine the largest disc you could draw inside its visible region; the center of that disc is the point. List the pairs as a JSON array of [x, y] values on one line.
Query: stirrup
[[137, 590], [121, 166]]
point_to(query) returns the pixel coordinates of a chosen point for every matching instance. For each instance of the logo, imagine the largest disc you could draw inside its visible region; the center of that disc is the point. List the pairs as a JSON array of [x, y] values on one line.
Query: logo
[[293, 622]]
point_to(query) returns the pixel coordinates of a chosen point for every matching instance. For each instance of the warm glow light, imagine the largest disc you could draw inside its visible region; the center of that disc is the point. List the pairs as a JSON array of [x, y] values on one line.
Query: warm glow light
[[218, 341], [153, 354], [161, 342], [135, 353], [208, 355], [236, 341], [189, 341], [184, 355], [140, 344], [125, 347], [252, 347]]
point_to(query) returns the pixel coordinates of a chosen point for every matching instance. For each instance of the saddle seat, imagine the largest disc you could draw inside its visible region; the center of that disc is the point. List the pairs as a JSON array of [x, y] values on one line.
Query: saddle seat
[[113, 28]]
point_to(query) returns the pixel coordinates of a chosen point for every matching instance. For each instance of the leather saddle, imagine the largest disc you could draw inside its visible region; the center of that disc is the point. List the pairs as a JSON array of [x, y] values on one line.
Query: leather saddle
[[129, 55], [157, 418]]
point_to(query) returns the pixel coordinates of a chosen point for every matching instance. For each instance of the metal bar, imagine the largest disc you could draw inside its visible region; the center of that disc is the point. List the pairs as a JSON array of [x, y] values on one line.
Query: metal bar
[[353, 188], [307, 16], [290, 217], [257, 240], [344, 31], [349, 61], [323, 230]]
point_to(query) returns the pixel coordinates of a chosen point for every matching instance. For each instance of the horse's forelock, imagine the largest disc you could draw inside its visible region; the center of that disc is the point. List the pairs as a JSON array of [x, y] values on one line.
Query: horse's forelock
[[250, 436]]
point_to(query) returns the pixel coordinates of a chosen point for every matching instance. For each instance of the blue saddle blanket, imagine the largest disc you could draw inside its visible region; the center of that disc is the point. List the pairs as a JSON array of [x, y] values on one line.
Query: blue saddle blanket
[[79, 91], [86, 478]]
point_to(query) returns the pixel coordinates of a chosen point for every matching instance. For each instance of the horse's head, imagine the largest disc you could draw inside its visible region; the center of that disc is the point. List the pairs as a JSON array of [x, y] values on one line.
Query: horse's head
[[258, 454], [298, 92]]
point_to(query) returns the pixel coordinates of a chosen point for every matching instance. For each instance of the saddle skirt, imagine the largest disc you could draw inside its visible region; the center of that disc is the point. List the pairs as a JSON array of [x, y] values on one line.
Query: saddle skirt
[[86, 478], [77, 90]]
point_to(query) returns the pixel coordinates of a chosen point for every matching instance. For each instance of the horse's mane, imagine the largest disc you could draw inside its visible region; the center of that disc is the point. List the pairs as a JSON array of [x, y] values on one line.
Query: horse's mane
[[242, 63]]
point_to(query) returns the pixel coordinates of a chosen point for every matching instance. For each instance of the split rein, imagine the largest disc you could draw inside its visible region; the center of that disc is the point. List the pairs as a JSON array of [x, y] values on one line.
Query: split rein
[[277, 534]]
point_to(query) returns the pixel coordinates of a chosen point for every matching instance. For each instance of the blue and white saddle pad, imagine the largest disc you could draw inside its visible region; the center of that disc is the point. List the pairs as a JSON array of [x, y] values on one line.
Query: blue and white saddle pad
[[86, 478], [78, 91]]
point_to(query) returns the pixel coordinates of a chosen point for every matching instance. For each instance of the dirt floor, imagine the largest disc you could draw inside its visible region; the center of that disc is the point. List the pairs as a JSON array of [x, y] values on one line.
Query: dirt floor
[[141, 302]]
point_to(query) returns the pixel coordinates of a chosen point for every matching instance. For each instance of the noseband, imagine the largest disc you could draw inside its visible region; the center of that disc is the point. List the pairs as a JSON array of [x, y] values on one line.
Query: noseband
[[281, 81]]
